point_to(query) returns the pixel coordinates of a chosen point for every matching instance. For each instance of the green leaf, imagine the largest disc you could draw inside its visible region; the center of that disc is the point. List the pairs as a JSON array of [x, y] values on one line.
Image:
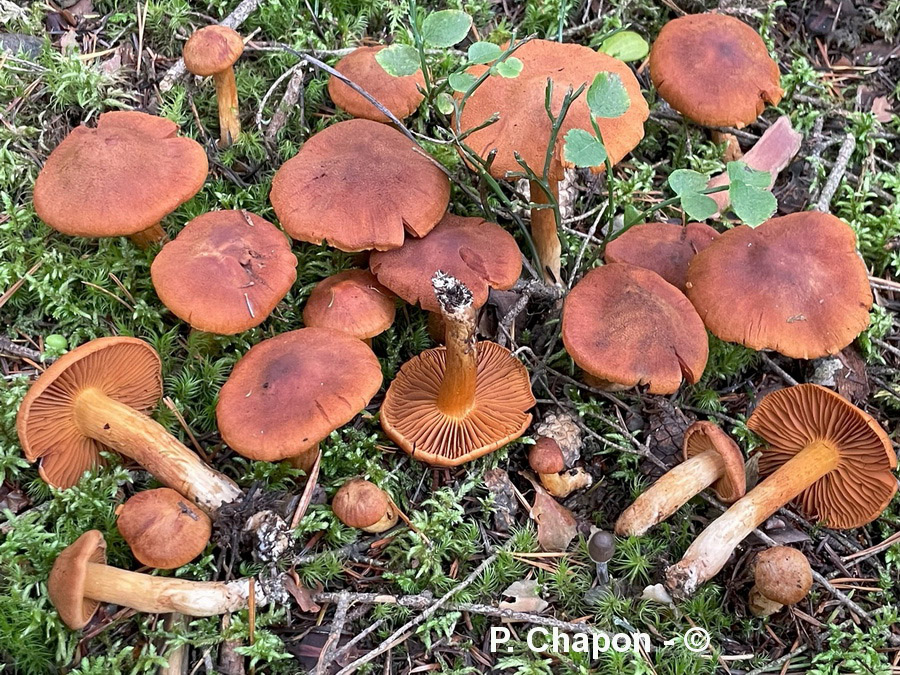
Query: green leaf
[[460, 81], [625, 46], [683, 181], [751, 204], [509, 68], [697, 206], [445, 28], [445, 103], [739, 172], [606, 97], [583, 150], [398, 60], [483, 52]]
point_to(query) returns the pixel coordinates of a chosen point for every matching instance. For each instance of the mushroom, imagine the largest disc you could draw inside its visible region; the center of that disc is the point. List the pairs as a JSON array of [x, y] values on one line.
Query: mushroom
[[96, 397], [351, 302], [711, 458], [823, 452], [546, 459], [225, 271], [626, 326], [213, 50], [120, 178], [453, 404], [524, 128], [80, 580], [162, 528], [601, 548], [400, 95], [794, 284], [783, 577], [665, 248], [289, 392], [363, 505], [359, 185]]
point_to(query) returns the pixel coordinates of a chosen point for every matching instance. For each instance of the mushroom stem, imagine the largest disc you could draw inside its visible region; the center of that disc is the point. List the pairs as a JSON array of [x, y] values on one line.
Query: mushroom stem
[[760, 605], [711, 550], [563, 484], [227, 98], [457, 393], [544, 232], [139, 437], [305, 460], [670, 493], [151, 235]]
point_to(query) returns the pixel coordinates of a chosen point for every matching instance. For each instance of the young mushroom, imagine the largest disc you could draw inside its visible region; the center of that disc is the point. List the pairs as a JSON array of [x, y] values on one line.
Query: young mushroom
[[213, 50], [546, 459], [351, 302], [711, 458], [363, 505], [400, 95], [823, 452], [783, 577], [601, 548], [96, 397]]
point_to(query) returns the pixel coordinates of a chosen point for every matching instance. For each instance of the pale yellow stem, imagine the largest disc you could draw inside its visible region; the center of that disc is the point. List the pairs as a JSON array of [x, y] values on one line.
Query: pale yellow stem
[[544, 232], [457, 393], [227, 98]]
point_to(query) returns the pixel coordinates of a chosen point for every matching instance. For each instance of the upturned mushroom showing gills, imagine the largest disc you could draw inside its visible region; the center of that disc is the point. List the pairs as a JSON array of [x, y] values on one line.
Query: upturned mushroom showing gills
[[795, 285], [351, 302], [80, 580], [453, 404], [626, 326], [363, 505], [213, 50], [400, 95], [524, 128], [783, 577], [97, 398], [120, 178], [711, 458], [225, 271], [823, 452], [546, 459]]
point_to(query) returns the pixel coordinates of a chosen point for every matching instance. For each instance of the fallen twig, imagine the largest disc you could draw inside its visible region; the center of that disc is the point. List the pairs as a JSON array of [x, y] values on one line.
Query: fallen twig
[[837, 173]]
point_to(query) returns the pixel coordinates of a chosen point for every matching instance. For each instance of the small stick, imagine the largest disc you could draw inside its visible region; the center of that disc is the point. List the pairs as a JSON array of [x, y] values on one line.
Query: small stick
[[837, 173], [16, 286], [334, 635]]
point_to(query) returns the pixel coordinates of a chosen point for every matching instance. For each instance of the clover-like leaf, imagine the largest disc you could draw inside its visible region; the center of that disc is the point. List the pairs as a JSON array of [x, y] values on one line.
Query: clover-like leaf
[[606, 97], [697, 206], [751, 204], [445, 103], [683, 181], [509, 68], [460, 81], [583, 149], [483, 52], [626, 46], [739, 172], [398, 60], [445, 28]]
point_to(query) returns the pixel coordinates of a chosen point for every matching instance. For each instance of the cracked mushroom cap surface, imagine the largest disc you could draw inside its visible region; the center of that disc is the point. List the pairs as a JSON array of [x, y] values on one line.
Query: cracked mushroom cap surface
[[65, 585], [665, 248], [523, 125], [714, 69], [212, 49], [627, 326], [359, 503], [481, 254], [546, 457], [411, 417], [118, 178], [351, 302], [795, 284], [703, 436], [860, 488], [783, 574], [289, 392], [225, 271], [359, 185], [163, 529], [126, 369], [400, 95]]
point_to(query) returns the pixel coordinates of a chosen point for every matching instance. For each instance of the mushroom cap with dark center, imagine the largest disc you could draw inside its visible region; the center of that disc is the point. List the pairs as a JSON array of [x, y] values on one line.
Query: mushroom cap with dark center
[[163, 529], [400, 95], [359, 503], [289, 392], [411, 417], [351, 302], [714, 69], [359, 185], [524, 126], [860, 488], [482, 255], [225, 271], [703, 436], [212, 49], [627, 325], [546, 457], [783, 574], [126, 369], [662, 247], [67, 577], [119, 178], [601, 546], [795, 284]]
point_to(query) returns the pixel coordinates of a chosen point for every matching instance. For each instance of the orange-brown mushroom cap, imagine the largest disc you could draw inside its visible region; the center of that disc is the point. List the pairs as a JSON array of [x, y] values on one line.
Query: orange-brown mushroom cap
[[703, 436], [482, 255], [126, 369], [359, 185], [289, 392], [67, 578], [400, 95], [212, 49], [794, 284], [524, 126], [359, 503], [665, 248], [626, 325], [862, 485], [119, 178], [783, 574], [351, 302], [163, 529], [411, 417], [714, 69], [545, 456], [225, 271]]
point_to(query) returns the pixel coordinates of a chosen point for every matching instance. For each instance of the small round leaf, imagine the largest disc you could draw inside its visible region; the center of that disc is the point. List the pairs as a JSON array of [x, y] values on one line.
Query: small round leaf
[[509, 68], [626, 46], [398, 60], [483, 52], [445, 28]]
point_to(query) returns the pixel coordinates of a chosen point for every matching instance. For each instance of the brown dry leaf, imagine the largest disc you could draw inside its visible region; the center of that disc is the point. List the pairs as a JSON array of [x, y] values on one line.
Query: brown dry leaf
[[882, 109], [525, 597], [69, 41], [304, 596], [556, 527], [505, 504]]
